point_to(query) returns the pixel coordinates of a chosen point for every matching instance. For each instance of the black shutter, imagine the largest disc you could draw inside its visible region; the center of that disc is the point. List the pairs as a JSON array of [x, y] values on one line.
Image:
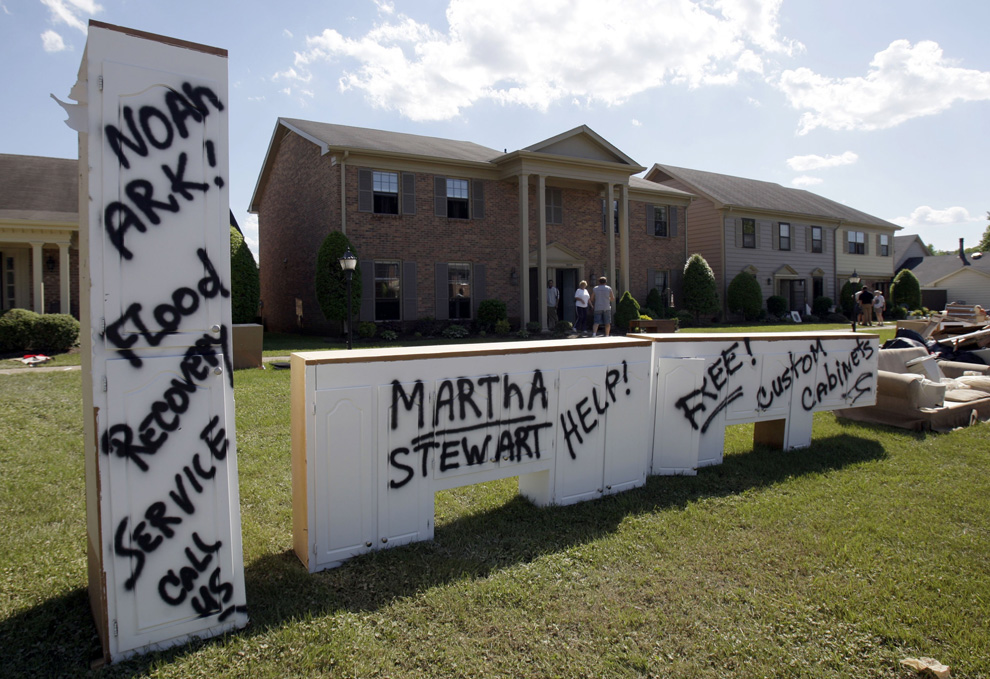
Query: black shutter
[[366, 191], [408, 193], [672, 217], [649, 220], [367, 311], [440, 196], [651, 277], [477, 288], [477, 199], [409, 312], [443, 308]]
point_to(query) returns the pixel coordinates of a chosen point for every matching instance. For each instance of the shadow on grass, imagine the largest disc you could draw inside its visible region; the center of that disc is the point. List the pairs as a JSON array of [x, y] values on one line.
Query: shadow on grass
[[58, 638], [279, 588]]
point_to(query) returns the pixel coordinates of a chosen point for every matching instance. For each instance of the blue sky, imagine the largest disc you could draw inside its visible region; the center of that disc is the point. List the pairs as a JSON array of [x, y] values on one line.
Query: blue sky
[[880, 104]]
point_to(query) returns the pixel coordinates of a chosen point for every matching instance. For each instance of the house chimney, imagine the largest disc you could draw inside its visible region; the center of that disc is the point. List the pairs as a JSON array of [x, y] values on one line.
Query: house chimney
[[962, 253]]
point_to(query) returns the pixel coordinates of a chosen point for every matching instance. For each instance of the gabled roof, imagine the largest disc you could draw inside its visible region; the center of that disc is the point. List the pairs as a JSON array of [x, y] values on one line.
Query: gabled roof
[[582, 142], [933, 269], [728, 191], [640, 184], [35, 187], [345, 137]]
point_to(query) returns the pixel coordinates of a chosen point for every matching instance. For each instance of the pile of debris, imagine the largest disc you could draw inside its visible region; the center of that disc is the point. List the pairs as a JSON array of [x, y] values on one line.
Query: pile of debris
[[960, 333]]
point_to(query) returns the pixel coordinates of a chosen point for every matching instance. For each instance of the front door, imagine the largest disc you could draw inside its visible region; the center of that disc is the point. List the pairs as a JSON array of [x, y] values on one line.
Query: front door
[[793, 290], [567, 280]]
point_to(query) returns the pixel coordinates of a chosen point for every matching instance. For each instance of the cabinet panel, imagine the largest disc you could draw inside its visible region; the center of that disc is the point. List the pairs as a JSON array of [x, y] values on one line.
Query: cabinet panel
[[580, 440], [344, 473], [627, 459], [677, 432]]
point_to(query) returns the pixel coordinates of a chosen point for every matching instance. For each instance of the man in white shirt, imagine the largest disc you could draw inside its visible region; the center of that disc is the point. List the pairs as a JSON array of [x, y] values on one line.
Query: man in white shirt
[[602, 298]]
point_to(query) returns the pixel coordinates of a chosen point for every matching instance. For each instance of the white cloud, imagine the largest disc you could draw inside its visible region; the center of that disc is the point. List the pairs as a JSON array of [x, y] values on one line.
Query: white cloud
[[287, 33], [806, 181], [636, 123], [903, 82], [815, 162], [927, 216], [385, 7], [502, 52], [52, 41], [292, 74], [73, 13]]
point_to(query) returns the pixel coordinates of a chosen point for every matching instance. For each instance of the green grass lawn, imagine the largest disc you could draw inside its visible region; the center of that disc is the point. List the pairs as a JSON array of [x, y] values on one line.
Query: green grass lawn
[[839, 560]]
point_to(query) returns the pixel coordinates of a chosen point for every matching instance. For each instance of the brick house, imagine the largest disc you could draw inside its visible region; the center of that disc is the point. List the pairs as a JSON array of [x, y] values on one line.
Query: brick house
[[440, 225], [799, 245], [39, 234]]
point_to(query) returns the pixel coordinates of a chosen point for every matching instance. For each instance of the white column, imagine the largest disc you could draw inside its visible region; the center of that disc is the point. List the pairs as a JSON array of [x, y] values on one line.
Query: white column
[[610, 230], [37, 284], [64, 278], [541, 247], [624, 235], [524, 247]]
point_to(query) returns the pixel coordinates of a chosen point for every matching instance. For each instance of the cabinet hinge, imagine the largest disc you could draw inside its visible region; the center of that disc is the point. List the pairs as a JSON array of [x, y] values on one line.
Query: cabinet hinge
[[104, 381], [99, 83], [103, 326], [115, 628]]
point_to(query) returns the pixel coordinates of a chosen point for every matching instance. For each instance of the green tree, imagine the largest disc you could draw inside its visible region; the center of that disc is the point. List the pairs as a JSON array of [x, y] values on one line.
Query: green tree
[[745, 296], [700, 295], [331, 282], [906, 289], [984, 244], [245, 289], [846, 300], [626, 310]]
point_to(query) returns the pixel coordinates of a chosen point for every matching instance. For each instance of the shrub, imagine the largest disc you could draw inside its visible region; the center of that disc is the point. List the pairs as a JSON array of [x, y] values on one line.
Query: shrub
[[245, 288], [490, 312], [897, 313], [821, 306], [562, 328], [685, 319], [389, 335], [836, 318], [626, 310], [654, 302], [366, 329], [55, 333], [906, 289], [502, 327], [522, 333], [700, 295], [534, 327], [776, 306], [744, 296], [17, 329], [455, 332], [331, 282]]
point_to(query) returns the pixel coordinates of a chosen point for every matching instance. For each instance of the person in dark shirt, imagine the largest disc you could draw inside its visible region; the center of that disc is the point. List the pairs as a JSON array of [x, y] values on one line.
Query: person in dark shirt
[[866, 304]]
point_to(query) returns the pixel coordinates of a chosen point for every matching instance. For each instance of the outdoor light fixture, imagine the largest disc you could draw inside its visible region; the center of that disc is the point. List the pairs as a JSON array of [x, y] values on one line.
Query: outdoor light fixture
[[513, 276], [348, 263], [769, 281], [854, 278]]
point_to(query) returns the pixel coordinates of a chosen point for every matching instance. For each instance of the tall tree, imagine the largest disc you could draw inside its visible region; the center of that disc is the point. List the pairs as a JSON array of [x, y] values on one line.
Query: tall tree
[[984, 244], [700, 289], [331, 282]]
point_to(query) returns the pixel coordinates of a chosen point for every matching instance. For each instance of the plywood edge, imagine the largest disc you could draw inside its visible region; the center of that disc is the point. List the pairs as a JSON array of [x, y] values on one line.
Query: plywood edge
[[471, 350], [300, 507]]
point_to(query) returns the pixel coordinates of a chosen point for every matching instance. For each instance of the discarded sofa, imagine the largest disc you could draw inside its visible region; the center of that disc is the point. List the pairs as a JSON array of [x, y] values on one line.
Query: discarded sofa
[[914, 391]]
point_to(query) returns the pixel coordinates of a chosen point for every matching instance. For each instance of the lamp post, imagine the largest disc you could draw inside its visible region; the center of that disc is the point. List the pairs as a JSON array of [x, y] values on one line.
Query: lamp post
[[854, 279], [348, 264]]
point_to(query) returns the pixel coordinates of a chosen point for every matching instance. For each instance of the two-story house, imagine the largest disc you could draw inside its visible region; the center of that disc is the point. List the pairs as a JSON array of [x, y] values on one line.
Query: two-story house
[[799, 245], [439, 225]]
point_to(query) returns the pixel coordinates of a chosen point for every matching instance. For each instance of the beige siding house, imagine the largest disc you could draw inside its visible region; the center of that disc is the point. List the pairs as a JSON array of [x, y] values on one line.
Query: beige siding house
[[798, 245], [961, 277]]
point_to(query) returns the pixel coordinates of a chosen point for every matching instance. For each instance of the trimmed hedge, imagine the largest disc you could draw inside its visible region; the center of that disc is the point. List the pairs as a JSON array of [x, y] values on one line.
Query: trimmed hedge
[[820, 306], [906, 289], [245, 288], [776, 306], [626, 310], [490, 312], [745, 296], [23, 330]]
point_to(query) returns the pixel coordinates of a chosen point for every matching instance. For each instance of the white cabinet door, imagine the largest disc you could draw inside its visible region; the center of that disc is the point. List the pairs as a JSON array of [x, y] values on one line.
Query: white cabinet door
[[627, 423], [170, 489], [407, 455], [679, 418], [580, 441], [343, 477]]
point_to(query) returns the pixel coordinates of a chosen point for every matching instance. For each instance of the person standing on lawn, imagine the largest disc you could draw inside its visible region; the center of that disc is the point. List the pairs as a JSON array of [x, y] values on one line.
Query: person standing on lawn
[[602, 298], [553, 297], [866, 304], [879, 304], [581, 297]]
